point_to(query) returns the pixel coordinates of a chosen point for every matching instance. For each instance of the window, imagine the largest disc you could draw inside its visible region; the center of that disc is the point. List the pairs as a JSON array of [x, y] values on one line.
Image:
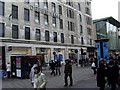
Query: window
[[67, 12], [26, 1], [27, 33], [81, 29], [61, 23], [79, 8], [46, 21], [72, 39], [89, 20], [2, 29], [15, 31], [45, 5], [54, 21], [62, 38], [89, 31], [72, 28], [37, 17], [68, 25], [55, 36], [90, 41], [47, 36], [80, 18], [38, 34], [14, 11], [36, 3], [87, 11], [70, 13], [53, 7], [2, 8], [26, 14], [70, 3], [88, 3], [60, 10], [82, 41]]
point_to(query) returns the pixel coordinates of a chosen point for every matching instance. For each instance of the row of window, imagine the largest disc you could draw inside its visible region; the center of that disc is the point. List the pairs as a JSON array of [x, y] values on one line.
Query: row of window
[[15, 33], [70, 13], [53, 6], [89, 31], [38, 33]]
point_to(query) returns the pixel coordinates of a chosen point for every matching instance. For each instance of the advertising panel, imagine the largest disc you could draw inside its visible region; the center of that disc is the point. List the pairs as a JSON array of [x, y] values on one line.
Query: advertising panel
[[105, 51], [98, 51]]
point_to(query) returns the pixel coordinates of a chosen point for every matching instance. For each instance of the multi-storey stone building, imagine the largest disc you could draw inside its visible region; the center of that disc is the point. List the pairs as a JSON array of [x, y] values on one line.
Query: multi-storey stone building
[[119, 15], [32, 27]]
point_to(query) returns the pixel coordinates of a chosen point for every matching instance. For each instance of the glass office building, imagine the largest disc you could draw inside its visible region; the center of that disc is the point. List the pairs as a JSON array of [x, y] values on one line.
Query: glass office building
[[107, 28]]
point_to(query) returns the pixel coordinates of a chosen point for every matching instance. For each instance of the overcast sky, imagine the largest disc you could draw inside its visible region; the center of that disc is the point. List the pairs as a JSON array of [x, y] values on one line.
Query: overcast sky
[[104, 8]]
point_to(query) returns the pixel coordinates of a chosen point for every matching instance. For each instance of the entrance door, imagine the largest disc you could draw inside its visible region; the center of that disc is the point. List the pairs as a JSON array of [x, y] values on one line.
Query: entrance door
[[13, 66]]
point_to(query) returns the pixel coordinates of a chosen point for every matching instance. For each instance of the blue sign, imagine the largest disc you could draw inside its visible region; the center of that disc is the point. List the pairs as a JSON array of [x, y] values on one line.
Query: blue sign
[[105, 51], [98, 51]]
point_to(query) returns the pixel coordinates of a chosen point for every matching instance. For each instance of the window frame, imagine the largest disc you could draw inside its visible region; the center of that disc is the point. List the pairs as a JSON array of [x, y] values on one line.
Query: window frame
[[47, 35], [37, 34], [2, 32], [27, 33], [72, 39], [26, 14], [37, 16], [15, 31], [62, 38], [46, 19], [2, 5], [61, 23], [54, 21], [55, 36], [14, 11]]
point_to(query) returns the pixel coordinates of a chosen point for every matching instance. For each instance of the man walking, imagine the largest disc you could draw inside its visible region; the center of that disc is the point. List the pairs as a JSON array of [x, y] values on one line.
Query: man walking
[[68, 72]]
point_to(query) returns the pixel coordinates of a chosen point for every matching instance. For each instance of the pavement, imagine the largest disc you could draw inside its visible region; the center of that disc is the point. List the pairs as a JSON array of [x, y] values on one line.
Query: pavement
[[83, 78]]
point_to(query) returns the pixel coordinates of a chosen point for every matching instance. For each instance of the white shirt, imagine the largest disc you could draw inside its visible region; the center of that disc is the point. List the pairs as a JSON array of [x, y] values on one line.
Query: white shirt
[[8, 67], [93, 64], [40, 80], [32, 73]]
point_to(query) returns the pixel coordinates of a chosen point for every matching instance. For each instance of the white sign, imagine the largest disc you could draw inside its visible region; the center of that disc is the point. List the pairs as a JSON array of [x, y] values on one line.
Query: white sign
[[18, 72]]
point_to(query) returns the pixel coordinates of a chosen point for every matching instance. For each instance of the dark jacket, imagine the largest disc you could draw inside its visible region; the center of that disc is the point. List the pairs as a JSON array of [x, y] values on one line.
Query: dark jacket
[[113, 74], [68, 68], [101, 73]]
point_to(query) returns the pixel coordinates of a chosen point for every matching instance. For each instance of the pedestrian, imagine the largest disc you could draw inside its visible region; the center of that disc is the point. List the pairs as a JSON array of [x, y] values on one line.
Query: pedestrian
[[8, 66], [52, 67], [32, 71], [101, 73], [113, 74], [93, 66], [68, 72], [39, 80], [40, 64], [57, 67]]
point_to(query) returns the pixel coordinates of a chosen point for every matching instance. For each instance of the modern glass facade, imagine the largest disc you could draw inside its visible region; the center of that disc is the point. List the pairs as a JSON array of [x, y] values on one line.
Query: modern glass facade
[[106, 30]]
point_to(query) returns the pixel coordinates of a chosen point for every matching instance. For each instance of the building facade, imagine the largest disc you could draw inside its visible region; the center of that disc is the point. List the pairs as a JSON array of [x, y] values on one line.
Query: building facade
[[108, 28], [35, 27], [119, 11]]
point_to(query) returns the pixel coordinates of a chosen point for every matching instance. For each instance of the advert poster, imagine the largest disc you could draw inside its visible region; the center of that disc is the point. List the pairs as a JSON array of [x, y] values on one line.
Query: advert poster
[[98, 51], [18, 62], [105, 51]]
